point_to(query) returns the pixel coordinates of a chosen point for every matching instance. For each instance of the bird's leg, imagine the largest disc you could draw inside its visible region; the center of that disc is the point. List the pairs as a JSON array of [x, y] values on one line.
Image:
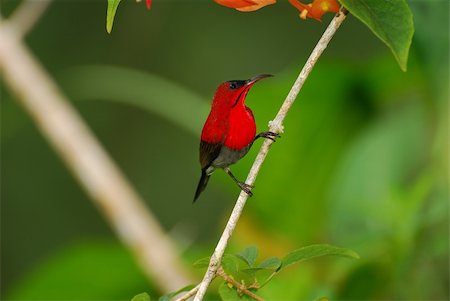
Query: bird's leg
[[247, 188], [268, 135]]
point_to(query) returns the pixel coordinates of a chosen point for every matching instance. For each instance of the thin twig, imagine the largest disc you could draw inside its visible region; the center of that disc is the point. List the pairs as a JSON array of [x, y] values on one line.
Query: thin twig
[[189, 294], [274, 126], [61, 125], [239, 286]]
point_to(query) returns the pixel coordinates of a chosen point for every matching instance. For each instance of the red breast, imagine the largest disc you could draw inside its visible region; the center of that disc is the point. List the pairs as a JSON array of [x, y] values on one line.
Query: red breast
[[230, 122]]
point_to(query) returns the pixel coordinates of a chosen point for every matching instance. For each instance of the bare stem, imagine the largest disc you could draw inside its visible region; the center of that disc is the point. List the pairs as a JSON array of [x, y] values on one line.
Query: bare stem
[[102, 180], [239, 286], [274, 126]]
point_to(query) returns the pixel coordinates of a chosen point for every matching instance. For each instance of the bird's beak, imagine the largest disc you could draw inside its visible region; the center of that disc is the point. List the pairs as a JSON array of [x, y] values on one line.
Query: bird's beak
[[253, 80]]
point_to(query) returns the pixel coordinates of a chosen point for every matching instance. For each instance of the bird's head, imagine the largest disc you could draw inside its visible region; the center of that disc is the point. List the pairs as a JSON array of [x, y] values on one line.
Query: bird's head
[[232, 92]]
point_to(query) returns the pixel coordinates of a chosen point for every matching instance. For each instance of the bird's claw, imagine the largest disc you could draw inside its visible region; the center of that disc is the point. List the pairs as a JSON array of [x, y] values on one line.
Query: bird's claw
[[270, 135], [246, 188]]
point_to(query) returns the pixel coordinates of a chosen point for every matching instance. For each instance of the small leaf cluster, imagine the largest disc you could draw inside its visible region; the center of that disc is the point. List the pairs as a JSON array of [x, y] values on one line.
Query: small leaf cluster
[[242, 276], [243, 267], [252, 276]]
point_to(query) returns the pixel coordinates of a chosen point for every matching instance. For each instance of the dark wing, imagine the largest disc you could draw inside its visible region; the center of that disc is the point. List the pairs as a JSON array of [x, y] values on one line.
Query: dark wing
[[208, 153]]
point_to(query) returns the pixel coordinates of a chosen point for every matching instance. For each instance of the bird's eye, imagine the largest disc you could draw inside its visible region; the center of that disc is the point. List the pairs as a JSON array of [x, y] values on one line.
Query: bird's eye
[[233, 85]]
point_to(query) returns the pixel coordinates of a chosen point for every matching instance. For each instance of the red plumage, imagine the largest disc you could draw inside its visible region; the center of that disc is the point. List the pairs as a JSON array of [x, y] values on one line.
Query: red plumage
[[229, 131], [230, 122]]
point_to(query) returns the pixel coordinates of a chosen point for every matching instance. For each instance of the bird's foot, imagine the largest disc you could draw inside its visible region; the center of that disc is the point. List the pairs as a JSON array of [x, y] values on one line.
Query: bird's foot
[[246, 187], [269, 135]]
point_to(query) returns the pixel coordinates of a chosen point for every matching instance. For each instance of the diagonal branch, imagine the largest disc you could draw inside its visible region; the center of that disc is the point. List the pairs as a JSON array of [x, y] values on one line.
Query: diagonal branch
[[72, 140], [27, 15], [274, 126]]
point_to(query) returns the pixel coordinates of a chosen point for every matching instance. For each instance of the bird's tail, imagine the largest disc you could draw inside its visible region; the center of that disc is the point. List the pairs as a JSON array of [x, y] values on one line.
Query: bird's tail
[[201, 185]]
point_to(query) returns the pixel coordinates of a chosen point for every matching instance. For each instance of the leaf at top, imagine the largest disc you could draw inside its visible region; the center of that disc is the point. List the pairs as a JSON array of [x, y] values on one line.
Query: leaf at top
[[313, 251], [110, 13], [141, 297], [169, 296], [248, 255], [389, 20]]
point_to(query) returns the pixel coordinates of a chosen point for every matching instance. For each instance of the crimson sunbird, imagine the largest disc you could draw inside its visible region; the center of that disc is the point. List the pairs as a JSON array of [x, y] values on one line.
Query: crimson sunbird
[[229, 131]]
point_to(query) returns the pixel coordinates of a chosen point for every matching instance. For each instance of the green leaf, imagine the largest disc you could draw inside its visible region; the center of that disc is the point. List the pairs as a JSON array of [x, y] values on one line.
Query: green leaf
[[141, 297], [270, 263], [251, 271], [169, 296], [230, 264], [202, 263], [391, 21], [110, 13], [248, 255], [228, 293], [314, 251]]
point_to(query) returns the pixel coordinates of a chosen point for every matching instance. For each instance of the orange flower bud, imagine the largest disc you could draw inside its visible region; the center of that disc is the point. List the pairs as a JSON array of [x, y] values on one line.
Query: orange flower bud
[[245, 5], [316, 9], [235, 3]]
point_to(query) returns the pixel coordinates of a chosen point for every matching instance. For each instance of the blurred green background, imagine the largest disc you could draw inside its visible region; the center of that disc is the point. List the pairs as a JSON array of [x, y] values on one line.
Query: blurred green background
[[363, 162]]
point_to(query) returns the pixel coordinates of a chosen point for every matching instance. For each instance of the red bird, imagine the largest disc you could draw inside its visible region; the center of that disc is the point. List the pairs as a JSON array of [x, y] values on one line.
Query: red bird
[[229, 131]]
